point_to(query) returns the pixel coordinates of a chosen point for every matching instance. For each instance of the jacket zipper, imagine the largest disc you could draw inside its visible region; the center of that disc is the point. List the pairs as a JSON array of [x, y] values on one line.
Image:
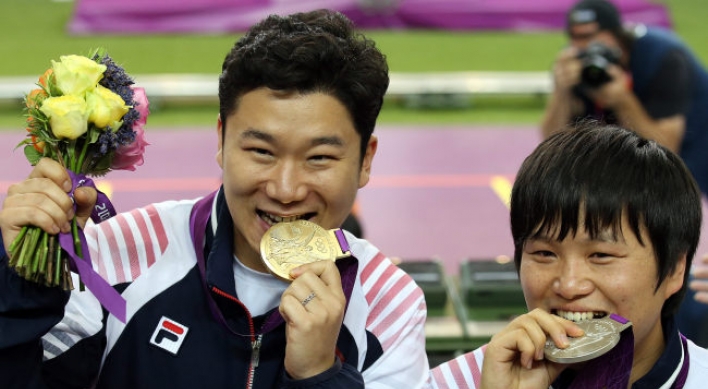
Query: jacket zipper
[[255, 340], [255, 355]]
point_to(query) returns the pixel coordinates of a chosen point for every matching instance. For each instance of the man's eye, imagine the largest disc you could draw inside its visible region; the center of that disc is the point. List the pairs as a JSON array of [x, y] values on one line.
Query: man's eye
[[602, 257], [542, 255], [321, 158], [260, 151]]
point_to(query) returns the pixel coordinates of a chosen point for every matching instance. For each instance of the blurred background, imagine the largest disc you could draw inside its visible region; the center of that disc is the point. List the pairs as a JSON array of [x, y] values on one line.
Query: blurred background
[[469, 80]]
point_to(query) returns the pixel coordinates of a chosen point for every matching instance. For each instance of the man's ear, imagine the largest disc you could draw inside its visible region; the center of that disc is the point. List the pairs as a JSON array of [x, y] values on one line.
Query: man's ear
[[674, 281], [367, 160]]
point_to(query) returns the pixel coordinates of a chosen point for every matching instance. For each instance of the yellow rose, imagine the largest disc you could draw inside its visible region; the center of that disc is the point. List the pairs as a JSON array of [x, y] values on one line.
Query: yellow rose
[[68, 116], [75, 74], [105, 107]]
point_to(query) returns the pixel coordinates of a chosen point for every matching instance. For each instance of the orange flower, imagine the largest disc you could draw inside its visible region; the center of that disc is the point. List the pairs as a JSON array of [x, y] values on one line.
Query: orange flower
[[39, 146], [30, 120], [35, 97], [45, 77]]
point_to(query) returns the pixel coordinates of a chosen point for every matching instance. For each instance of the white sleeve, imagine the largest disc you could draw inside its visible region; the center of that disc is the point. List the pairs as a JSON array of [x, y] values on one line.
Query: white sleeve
[[461, 372], [396, 317]]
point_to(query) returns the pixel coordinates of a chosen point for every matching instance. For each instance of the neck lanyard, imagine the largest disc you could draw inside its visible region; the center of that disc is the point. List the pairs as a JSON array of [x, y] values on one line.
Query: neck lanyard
[[198, 219], [683, 373]]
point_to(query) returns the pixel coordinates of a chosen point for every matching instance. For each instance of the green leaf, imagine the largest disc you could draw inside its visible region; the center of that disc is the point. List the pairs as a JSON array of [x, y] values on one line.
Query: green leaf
[[97, 54], [23, 142], [101, 167], [71, 147], [33, 156], [93, 134], [117, 126]]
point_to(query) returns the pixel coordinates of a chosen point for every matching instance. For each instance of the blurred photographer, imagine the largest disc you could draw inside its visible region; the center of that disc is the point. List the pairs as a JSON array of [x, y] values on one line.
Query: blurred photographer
[[645, 79], [640, 77]]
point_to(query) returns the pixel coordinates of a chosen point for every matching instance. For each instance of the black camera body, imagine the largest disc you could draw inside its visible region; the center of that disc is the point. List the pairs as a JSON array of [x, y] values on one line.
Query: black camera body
[[595, 59]]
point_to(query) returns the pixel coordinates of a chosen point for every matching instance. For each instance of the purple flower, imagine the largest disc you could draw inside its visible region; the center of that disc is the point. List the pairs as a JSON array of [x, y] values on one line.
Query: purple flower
[[129, 155]]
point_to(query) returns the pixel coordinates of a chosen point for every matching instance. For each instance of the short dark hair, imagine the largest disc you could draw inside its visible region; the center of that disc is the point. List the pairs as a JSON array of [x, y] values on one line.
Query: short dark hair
[[316, 51], [602, 174]]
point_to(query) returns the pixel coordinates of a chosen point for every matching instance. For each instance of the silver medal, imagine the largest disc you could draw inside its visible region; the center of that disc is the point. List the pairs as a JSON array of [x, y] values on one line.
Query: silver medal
[[601, 335]]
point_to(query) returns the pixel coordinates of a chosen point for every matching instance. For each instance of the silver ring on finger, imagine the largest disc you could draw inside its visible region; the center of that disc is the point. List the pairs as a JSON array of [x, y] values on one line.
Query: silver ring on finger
[[308, 298]]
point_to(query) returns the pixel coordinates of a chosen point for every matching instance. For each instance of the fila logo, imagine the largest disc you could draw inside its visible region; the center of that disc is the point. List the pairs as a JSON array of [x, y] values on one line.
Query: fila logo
[[169, 335]]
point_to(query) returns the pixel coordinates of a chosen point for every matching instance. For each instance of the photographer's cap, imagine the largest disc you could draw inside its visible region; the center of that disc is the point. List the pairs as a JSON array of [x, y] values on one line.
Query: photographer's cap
[[603, 12]]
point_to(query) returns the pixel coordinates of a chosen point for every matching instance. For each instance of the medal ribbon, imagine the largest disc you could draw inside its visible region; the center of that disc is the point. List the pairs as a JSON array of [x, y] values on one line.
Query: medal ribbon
[[104, 292], [612, 370], [197, 228], [343, 244]]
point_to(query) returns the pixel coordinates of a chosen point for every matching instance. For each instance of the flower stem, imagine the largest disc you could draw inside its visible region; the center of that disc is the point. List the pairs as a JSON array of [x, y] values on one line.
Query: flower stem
[[77, 246], [57, 268], [75, 235], [68, 283], [42, 240], [51, 252], [28, 247], [18, 239], [43, 252], [70, 155], [80, 158]]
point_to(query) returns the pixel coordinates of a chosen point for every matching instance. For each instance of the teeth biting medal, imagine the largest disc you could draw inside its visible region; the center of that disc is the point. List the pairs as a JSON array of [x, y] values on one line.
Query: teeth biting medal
[[287, 245]]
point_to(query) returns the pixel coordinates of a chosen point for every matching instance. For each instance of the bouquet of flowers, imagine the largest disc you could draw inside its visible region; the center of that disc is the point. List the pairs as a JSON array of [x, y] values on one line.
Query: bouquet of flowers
[[87, 115]]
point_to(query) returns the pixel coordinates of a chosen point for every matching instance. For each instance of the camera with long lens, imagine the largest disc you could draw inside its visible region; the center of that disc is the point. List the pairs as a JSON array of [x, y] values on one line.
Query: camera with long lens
[[595, 59]]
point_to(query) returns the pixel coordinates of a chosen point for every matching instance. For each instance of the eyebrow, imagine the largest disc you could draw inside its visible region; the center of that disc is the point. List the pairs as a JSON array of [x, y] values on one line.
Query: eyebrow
[[257, 134], [328, 141], [266, 137]]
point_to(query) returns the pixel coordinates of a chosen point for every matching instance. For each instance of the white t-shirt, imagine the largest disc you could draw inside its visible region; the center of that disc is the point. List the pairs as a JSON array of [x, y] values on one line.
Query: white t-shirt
[[259, 292]]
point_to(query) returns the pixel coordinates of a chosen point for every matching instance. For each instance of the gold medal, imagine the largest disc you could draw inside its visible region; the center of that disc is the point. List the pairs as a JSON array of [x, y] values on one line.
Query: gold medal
[[286, 246]]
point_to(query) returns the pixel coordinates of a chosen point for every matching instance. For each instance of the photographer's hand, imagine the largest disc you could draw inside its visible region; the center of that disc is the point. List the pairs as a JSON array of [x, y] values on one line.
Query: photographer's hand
[[566, 70], [618, 96], [614, 93], [561, 104]]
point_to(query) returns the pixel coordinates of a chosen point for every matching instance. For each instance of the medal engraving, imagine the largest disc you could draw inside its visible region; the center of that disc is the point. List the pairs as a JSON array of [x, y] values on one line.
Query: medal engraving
[[601, 335], [288, 245]]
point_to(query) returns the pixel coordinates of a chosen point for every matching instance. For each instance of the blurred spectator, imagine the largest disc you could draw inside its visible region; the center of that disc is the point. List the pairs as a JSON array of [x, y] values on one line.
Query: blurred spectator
[[352, 223], [643, 78]]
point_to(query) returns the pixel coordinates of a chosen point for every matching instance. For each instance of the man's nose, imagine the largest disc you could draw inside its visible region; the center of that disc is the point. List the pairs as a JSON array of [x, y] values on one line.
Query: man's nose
[[573, 280], [287, 183]]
